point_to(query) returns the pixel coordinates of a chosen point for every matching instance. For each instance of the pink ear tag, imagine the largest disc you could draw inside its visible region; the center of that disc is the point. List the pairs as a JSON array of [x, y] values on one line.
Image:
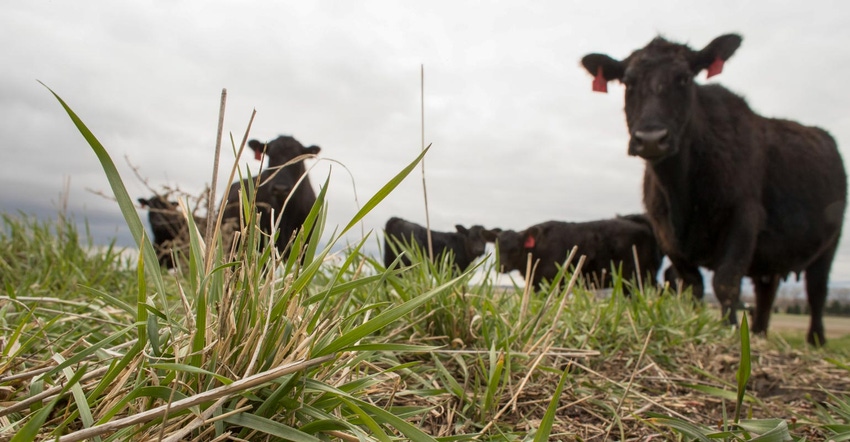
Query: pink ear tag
[[529, 242], [600, 84], [258, 155], [715, 68]]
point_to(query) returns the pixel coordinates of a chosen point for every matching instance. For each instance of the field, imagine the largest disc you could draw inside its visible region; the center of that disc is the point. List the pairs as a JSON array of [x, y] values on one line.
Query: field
[[836, 327], [465, 361], [244, 344]]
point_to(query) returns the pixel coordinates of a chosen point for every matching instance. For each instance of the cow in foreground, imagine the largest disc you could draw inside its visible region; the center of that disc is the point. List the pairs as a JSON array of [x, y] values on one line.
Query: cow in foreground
[[465, 244], [169, 227], [603, 242], [277, 184], [725, 188]]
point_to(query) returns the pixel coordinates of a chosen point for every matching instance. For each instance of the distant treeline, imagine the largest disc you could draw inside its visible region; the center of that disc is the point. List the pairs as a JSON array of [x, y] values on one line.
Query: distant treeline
[[834, 308]]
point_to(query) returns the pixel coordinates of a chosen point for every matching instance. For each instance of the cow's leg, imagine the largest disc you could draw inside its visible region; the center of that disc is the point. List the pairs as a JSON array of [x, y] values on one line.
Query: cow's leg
[[727, 288], [671, 277], [765, 287], [738, 247], [690, 276], [817, 278]]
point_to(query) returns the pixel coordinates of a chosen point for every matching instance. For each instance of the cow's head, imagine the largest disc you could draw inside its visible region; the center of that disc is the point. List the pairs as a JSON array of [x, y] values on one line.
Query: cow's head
[[162, 213], [660, 89], [514, 248], [158, 202], [475, 238], [281, 150]]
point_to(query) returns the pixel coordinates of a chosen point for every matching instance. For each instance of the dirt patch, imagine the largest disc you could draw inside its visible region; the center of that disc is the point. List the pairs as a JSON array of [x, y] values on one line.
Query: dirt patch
[[611, 400]]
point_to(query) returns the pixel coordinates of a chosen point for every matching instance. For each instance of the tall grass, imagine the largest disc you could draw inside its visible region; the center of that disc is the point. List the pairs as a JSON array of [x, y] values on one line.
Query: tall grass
[[333, 346]]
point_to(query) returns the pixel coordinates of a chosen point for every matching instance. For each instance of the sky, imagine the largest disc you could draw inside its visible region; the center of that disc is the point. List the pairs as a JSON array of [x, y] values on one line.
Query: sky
[[517, 135]]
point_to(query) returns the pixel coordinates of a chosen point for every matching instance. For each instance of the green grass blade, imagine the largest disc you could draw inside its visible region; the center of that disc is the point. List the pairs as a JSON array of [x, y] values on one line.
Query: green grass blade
[[199, 337], [32, 428], [744, 369], [376, 429], [494, 381], [77, 392], [769, 430], [125, 203], [314, 223], [719, 392], [686, 428], [448, 379], [548, 420], [77, 358], [113, 300], [405, 428], [384, 191], [271, 427]]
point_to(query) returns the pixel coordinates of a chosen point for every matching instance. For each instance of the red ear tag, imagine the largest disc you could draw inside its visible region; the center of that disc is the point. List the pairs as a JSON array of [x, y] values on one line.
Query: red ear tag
[[529, 242], [715, 68], [600, 84], [258, 155]]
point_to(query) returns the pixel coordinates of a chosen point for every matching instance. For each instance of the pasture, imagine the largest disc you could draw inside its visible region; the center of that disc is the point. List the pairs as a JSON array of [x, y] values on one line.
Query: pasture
[[788, 325], [246, 344], [465, 360]]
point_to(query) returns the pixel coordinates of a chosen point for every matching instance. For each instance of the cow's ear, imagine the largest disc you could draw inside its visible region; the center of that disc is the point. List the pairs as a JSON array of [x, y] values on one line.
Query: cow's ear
[[604, 69], [258, 149], [312, 150], [144, 202], [461, 229], [715, 54], [490, 235], [256, 145], [531, 237]]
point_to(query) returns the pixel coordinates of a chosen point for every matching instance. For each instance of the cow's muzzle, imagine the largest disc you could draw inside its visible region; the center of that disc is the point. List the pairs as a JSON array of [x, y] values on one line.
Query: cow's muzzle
[[649, 144]]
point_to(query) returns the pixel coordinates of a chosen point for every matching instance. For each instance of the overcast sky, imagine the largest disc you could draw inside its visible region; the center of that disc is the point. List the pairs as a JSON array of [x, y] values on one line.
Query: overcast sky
[[518, 137]]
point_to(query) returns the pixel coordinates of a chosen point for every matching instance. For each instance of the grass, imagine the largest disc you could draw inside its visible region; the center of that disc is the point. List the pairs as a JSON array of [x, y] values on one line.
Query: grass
[[333, 346]]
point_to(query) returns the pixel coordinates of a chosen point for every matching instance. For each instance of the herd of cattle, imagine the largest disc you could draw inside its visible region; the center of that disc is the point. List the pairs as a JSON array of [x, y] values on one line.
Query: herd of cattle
[[602, 242], [724, 188]]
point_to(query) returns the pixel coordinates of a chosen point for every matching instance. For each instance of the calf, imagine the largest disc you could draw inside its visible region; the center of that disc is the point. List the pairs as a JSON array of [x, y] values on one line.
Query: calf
[[277, 183], [169, 227], [602, 242], [724, 187], [465, 244]]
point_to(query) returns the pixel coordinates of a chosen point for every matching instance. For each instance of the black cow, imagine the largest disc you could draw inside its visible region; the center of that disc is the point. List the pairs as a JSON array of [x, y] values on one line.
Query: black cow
[[726, 188], [277, 183], [465, 244], [603, 242], [169, 227]]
